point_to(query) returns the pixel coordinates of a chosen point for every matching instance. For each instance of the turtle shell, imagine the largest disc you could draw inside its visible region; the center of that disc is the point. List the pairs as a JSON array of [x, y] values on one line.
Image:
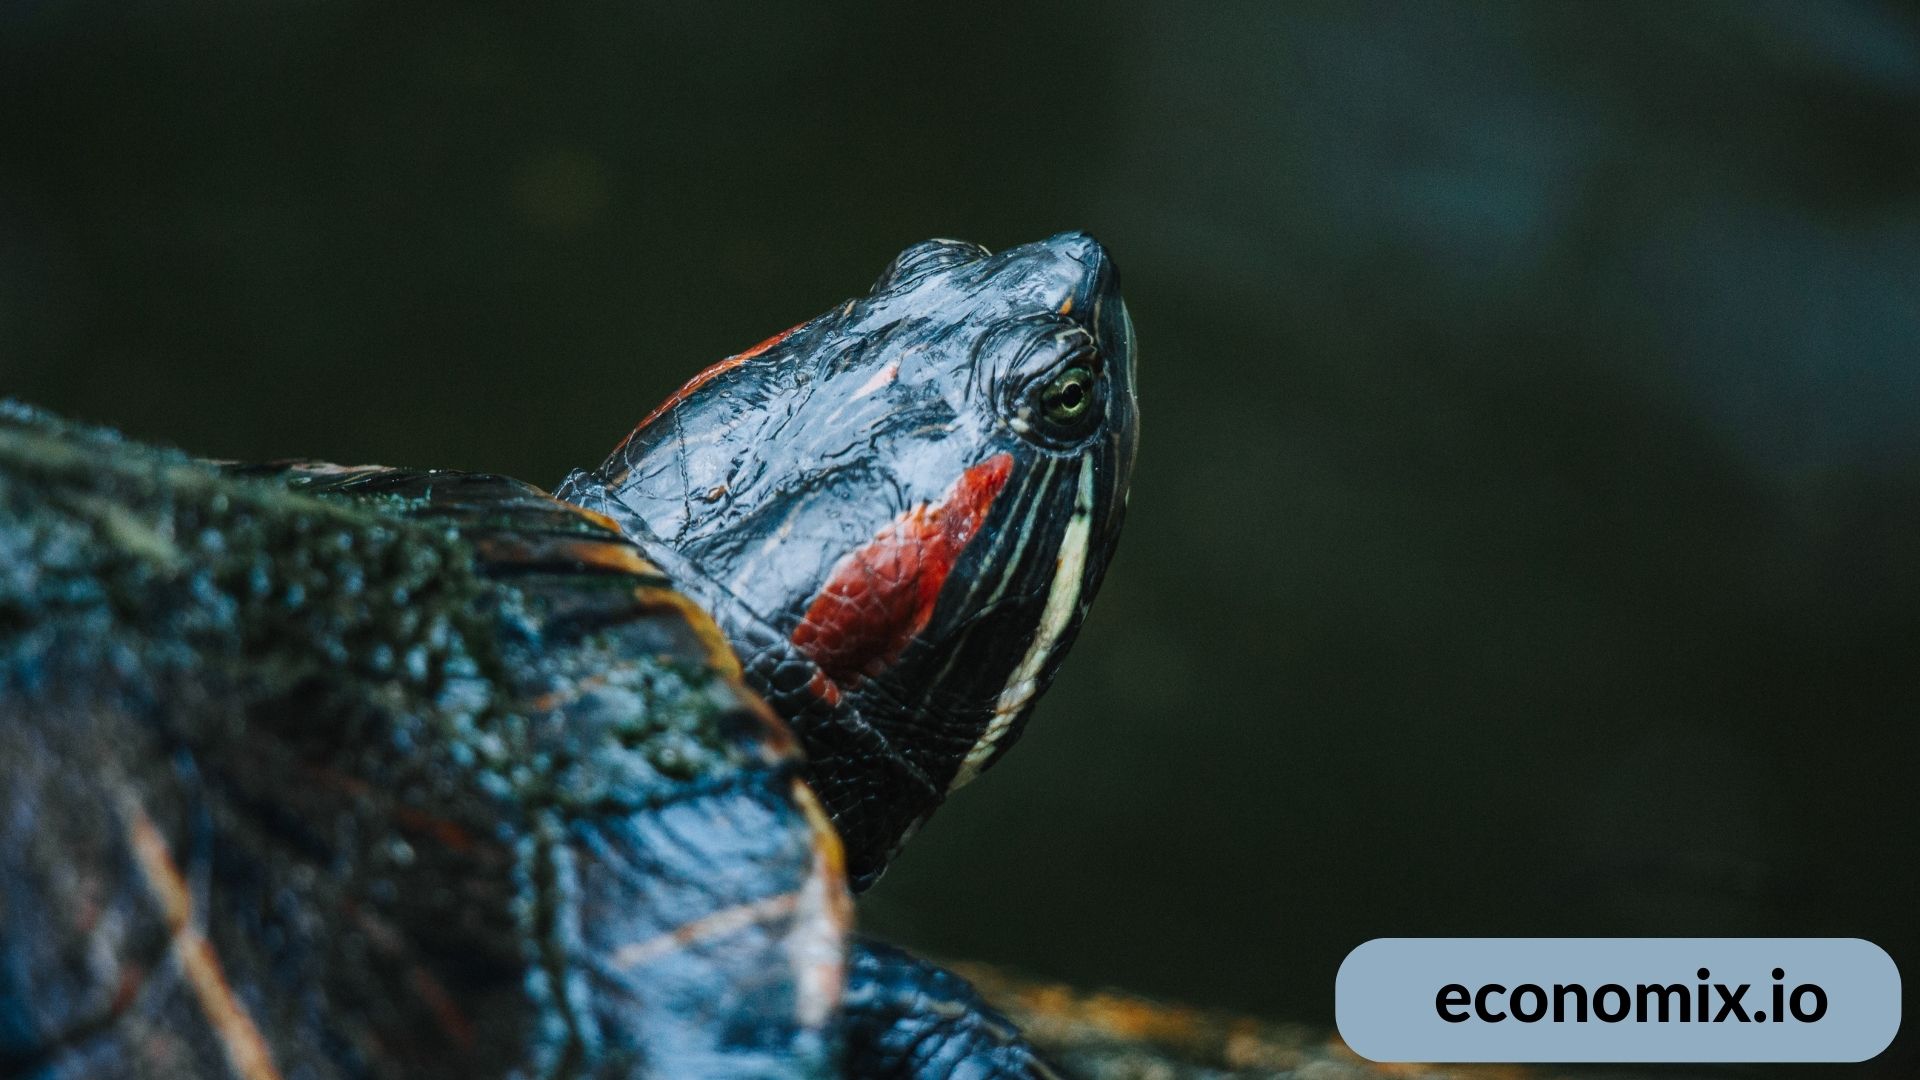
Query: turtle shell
[[322, 771]]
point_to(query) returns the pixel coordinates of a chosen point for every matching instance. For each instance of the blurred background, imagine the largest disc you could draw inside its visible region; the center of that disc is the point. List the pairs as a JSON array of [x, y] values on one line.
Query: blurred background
[[1526, 537]]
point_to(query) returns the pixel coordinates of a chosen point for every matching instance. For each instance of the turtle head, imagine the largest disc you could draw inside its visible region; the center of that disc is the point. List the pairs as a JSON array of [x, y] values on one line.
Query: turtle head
[[900, 511]]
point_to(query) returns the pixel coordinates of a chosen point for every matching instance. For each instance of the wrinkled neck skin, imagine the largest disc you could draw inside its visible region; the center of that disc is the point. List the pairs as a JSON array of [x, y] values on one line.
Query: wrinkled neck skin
[[891, 517], [875, 792]]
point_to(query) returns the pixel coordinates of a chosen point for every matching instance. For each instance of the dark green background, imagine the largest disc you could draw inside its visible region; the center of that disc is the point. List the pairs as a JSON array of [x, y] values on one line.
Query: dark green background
[[1527, 532]]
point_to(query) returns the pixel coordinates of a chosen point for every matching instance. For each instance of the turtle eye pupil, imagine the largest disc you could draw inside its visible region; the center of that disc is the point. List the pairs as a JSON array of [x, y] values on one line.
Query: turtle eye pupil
[[1068, 395]]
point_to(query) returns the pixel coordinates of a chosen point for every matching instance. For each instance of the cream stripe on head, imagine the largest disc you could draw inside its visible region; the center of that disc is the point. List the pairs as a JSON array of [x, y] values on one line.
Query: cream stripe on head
[[1063, 596]]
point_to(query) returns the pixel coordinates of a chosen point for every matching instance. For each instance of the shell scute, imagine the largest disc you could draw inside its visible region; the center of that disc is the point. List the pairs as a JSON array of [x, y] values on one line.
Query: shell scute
[[439, 762]]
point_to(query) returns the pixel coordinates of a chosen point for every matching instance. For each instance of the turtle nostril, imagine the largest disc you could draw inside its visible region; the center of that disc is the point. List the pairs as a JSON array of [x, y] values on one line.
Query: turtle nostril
[[1079, 247]]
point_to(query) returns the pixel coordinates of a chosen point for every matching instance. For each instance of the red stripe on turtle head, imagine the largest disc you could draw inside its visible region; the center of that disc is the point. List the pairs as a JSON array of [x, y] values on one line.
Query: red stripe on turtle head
[[881, 595]]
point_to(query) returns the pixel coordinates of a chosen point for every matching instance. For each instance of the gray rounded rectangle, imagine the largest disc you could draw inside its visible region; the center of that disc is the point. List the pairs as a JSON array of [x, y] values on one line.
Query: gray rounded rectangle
[[1617, 999]]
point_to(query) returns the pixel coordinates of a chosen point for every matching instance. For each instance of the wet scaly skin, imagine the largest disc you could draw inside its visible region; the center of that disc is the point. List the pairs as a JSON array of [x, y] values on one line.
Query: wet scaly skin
[[892, 514], [362, 771]]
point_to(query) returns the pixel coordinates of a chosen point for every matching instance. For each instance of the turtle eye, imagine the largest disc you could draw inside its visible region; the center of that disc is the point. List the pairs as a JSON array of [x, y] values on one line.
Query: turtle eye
[[1062, 405], [1067, 396], [925, 257], [1051, 379]]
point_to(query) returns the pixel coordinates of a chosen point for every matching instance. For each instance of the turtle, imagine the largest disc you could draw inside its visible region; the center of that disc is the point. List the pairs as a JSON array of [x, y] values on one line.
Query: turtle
[[311, 770]]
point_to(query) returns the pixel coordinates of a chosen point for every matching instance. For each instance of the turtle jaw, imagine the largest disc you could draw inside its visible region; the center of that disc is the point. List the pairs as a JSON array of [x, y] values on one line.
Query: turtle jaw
[[1058, 616], [1048, 555]]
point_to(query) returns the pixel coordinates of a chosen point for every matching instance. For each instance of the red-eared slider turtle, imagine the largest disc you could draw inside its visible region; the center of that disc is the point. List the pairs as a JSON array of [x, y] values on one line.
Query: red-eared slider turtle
[[323, 771]]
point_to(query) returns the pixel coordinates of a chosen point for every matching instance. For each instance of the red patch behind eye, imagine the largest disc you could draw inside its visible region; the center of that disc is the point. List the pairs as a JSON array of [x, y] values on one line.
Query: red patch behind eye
[[882, 594], [704, 378]]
